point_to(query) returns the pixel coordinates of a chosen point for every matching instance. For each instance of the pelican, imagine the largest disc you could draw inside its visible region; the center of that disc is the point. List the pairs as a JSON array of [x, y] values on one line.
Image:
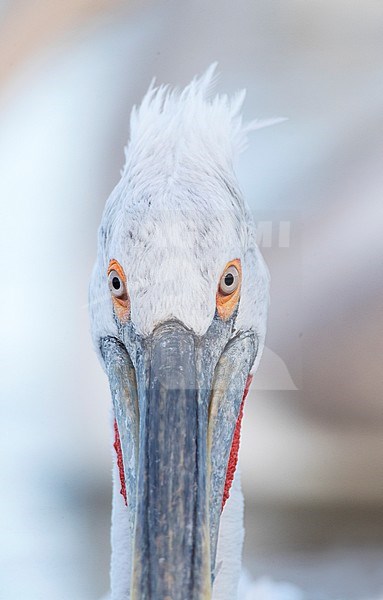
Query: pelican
[[178, 307]]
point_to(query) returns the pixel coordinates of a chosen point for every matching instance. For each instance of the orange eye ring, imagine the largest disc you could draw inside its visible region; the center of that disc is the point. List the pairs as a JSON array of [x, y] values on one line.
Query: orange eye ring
[[119, 290], [229, 289]]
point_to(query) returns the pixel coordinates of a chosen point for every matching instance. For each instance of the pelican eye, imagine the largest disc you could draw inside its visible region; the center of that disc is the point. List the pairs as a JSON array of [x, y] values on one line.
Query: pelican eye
[[119, 290], [116, 285], [229, 289], [229, 281]]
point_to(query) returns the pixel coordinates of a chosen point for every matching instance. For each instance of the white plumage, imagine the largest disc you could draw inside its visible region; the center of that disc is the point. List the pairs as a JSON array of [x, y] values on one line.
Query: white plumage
[[175, 219], [178, 209]]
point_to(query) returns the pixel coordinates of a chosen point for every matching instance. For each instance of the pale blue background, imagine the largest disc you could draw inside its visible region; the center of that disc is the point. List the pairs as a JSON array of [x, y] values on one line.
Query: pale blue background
[[312, 443]]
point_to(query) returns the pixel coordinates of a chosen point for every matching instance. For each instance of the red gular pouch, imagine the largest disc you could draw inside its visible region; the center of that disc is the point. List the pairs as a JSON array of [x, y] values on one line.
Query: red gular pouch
[[120, 463], [233, 458]]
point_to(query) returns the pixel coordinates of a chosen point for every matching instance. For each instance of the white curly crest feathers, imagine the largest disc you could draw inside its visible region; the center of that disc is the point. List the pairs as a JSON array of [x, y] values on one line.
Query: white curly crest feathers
[[191, 112]]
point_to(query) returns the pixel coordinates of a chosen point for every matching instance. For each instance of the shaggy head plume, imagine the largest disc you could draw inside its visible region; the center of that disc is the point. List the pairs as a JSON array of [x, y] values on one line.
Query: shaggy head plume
[[191, 123], [177, 216]]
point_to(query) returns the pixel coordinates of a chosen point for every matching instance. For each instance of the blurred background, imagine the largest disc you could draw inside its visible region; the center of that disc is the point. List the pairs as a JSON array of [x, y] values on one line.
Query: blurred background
[[312, 443]]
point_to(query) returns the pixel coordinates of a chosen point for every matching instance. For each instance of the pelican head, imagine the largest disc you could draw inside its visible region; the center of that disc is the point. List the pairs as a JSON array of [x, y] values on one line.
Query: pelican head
[[178, 299]]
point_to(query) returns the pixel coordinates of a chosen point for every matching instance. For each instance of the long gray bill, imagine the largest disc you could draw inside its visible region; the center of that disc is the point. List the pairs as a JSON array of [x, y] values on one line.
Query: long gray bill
[[171, 547]]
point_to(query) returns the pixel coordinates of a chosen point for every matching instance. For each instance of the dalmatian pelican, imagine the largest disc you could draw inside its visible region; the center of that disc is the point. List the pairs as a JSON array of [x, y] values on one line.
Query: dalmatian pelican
[[178, 306]]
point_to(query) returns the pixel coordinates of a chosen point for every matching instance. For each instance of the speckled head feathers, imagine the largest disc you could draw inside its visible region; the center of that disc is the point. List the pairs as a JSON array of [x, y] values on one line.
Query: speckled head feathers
[[177, 215]]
